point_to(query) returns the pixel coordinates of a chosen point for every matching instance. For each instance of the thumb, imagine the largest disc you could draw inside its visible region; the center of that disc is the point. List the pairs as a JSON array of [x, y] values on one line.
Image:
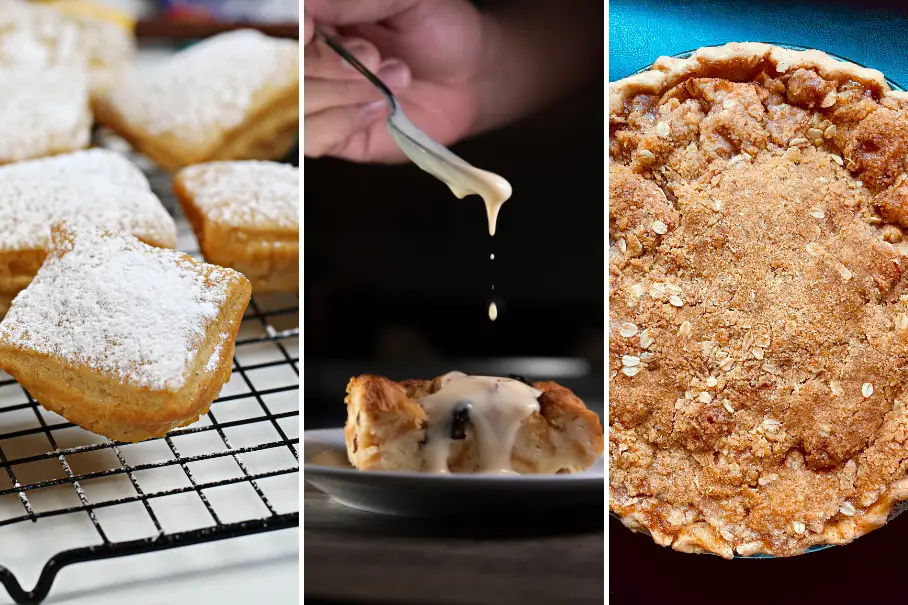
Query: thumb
[[349, 12]]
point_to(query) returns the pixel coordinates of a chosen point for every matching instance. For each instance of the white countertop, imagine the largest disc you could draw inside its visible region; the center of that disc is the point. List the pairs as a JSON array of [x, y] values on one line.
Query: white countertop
[[261, 568]]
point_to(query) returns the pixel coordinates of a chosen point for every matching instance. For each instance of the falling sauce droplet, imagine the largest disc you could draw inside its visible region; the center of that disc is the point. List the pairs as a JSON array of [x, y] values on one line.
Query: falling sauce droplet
[[492, 256], [493, 311]]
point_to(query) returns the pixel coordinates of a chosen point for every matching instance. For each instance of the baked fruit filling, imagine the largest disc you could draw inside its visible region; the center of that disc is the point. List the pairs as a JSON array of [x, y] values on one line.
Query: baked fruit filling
[[758, 311]]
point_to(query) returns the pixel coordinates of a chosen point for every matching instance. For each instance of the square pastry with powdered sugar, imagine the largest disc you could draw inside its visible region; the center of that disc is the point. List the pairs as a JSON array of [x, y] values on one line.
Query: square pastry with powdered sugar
[[94, 339], [43, 112], [234, 96], [246, 216], [86, 188]]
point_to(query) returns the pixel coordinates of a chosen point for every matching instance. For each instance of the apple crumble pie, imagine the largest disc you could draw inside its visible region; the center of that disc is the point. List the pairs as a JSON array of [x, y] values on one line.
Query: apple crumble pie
[[758, 355]]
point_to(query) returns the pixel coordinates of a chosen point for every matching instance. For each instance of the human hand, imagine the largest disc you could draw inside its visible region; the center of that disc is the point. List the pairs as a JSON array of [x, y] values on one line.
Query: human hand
[[433, 54]]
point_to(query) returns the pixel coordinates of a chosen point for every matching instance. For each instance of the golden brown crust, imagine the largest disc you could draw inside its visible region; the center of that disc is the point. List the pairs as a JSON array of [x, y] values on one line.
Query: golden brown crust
[[758, 317], [116, 411], [386, 427], [740, 61]]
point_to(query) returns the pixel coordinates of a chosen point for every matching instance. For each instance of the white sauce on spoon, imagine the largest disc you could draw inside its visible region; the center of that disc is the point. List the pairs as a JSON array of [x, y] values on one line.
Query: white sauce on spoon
[[496, 408], [461, 177]]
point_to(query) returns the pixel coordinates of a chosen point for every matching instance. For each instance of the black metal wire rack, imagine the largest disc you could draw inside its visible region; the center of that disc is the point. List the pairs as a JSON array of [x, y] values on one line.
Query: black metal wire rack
[[116, 496]]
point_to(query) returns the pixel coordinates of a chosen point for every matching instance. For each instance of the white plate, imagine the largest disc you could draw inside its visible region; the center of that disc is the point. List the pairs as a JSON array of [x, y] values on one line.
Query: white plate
[[454, 495]]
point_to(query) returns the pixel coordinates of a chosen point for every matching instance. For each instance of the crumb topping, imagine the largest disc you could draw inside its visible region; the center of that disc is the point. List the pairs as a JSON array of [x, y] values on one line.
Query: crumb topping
[[249, 194], [210, 86], [756, 231], [98, 301]]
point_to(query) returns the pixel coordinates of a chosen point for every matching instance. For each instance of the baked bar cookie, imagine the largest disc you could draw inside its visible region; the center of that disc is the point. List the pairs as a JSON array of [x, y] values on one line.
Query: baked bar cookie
[[234, 96], [97, 188], [246, 216], [758, 341], [36, 37], [463, 424], [42, 113], [67, 33], [104, 36], [123, 339]]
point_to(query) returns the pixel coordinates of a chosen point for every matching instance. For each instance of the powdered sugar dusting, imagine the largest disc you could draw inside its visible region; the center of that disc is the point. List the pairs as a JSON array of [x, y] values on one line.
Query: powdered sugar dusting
[[29, 206], [245, 194], [39, 37], [212, 364], [207, 88], [73, 166], [118, 306], [107, 47], [42, 112]]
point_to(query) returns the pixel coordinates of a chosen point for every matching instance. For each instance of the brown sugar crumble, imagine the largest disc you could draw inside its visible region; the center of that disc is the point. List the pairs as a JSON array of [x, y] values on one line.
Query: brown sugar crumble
[[758, 350]]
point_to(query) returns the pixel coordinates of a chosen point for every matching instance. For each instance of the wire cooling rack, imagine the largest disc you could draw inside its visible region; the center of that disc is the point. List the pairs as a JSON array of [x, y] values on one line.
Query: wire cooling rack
[[68, 496]]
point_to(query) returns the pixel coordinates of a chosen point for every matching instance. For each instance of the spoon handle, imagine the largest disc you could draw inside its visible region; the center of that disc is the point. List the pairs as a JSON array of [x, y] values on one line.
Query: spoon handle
[[349, 58]]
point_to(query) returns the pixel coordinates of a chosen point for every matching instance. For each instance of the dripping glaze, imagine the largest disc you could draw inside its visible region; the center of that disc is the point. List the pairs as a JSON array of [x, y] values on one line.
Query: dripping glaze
[[495, 408], [462, 178]]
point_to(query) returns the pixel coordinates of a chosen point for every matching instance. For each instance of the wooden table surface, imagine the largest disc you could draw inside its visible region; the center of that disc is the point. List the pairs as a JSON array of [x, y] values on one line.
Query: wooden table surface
[[357, 557]]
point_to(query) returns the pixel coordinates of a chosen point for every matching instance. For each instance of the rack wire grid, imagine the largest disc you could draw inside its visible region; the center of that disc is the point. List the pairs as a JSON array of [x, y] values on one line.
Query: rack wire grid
[[68, 496]]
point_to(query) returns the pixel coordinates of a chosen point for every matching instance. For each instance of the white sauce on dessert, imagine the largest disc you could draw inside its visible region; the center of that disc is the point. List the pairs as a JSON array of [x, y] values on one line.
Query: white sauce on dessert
[[461, 177], [331, 457], [494, 407], [493, 311]]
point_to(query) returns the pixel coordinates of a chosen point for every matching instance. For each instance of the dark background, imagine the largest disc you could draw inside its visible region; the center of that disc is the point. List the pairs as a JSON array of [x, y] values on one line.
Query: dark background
[[397, 271], [872, 568]]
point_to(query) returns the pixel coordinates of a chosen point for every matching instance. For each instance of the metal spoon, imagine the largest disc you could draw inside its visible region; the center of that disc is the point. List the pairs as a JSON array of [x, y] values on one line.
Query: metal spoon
[[461, 177]]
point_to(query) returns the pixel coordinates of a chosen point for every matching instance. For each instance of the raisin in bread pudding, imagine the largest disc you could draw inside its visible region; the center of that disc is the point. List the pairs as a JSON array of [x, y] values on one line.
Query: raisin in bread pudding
[[758, 344], [466, 424]]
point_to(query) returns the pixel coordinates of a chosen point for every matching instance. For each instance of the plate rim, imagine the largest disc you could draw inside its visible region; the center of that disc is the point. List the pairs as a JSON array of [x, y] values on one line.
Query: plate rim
[[570, 479]]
